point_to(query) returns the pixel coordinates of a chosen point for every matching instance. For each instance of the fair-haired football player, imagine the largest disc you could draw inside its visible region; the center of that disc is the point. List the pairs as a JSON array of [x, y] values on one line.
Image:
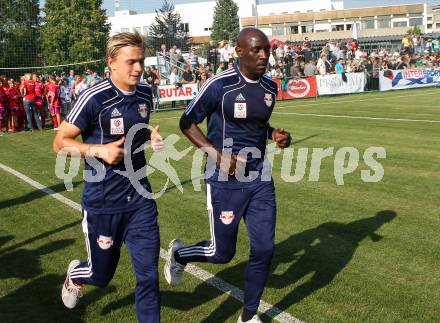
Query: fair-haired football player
[[237, 104], [114, 212]]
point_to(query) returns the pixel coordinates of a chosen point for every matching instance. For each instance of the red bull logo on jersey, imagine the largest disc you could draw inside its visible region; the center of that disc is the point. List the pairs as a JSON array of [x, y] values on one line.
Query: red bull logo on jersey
[[104, 242], [227, 217], [268, 99], [143, 110]]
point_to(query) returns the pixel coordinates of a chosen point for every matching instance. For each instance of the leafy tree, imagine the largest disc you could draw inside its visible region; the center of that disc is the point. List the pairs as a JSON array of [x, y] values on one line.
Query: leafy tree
[[19, 22], [226, 24], [167, 28], [74, 31]]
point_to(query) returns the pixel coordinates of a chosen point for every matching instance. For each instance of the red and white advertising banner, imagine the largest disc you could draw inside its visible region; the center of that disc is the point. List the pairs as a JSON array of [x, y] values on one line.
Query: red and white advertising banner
[[334, 83], [174, 93], [280, 91], [409, 78], [298, 88]]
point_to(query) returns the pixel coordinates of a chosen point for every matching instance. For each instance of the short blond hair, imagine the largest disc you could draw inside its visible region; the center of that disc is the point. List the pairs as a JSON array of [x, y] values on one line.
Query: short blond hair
[[116, 42]]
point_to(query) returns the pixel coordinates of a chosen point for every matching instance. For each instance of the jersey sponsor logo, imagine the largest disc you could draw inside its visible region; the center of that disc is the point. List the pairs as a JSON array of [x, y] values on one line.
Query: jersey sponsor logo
[[104, 242], [117, 126], [239, 110], [143, 110], [227, 217], [240, 98], [268, 99], [115, 113]]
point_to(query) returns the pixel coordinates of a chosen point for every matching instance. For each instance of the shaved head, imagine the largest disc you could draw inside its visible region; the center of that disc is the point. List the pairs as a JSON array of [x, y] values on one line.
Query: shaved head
[[253, 50], [248, 35]]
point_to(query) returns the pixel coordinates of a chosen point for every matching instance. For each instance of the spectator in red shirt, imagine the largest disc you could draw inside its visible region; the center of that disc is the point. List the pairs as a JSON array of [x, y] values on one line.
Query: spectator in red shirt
[[15, 100], [3, 111], [53, 100], [39, 96], [29, 103]]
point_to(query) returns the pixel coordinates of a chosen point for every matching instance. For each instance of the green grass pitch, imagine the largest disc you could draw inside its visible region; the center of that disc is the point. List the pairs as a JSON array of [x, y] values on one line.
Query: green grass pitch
[[359, 252]]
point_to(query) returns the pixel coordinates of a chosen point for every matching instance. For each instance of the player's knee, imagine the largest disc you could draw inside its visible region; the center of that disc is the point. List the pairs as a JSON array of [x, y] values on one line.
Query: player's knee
[[101, 281], [224, 257], [263, 253]]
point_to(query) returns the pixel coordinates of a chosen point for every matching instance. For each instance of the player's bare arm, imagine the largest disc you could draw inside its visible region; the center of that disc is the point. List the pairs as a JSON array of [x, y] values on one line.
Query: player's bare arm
[[193, 132], [111, 153]]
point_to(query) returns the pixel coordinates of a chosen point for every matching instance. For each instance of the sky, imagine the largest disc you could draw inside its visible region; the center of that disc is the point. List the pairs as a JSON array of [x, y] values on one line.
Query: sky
[[142, 6]]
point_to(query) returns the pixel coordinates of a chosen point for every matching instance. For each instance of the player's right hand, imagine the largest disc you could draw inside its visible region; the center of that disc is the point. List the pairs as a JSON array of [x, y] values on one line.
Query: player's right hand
[[113, 153], [229, 165]]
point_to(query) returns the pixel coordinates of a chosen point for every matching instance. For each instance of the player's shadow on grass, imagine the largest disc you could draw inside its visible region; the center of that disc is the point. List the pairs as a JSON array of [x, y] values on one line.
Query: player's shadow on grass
[[323, 252], [40, 301], [25, 263], [34, 195]]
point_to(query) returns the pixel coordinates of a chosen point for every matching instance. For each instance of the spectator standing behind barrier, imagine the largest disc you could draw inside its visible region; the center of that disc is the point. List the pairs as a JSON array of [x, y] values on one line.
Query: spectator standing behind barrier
[[220, 68], [66, 97], [152, 79], [81, 86], [339, 67], [174, 80], [321, 65], [29, 103], [310, 68], [187, 77]]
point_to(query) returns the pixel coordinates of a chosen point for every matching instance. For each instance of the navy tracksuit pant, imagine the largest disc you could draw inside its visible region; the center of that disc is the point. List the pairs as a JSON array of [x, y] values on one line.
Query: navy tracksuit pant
[[104, 236], [256, 204]]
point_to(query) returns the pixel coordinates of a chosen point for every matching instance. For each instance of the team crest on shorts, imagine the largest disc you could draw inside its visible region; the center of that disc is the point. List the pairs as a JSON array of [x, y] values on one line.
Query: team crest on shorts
[[268, 99], [143, 110], [227, 217], [104, 242]]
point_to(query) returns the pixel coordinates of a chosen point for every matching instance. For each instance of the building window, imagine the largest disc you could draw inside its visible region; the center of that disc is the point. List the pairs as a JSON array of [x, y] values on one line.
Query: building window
[[125, 30], [367, 23], [293, 29], [429, 26], [146, 30], [383, 22], [397, 24], [307, 29], [402, 15], [277, 29], [415, 15], [437, 25], [337, 27], [403, 23], [416, 22], [209, 28], [429, 18], [348, 26]]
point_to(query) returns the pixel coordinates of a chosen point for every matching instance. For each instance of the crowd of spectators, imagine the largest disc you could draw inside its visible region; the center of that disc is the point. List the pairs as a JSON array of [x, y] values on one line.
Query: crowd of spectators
[[299, 59], [29, 103]]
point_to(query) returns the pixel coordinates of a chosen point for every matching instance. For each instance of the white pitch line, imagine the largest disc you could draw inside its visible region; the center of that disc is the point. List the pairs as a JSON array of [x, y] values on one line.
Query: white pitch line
[[356, 117], [205, 276], [357, 100]]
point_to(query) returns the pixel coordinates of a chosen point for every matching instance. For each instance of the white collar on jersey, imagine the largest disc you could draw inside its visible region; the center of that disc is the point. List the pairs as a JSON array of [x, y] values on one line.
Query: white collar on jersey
[[247, 79], [123, 92]]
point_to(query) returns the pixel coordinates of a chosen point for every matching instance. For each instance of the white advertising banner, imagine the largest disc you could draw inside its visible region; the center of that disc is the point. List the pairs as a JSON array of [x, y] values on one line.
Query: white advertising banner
[[336, 84], [176, 93], [408, 79]]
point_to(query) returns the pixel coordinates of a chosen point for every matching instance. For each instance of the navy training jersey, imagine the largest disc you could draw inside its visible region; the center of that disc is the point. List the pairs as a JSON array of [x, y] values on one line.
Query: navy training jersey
[[104, 114], [237, 110]]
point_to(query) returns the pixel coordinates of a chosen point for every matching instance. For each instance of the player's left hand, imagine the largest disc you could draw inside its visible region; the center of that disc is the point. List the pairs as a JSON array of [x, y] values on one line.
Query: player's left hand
[[156, 139], [281, 137]]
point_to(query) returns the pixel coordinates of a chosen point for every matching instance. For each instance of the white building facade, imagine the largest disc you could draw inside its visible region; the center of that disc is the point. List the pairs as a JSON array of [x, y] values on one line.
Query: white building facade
[[198, 16]]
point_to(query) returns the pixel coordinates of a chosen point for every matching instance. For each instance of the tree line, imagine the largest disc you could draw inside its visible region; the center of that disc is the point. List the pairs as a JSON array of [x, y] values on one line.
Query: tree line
[[67, 31]]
